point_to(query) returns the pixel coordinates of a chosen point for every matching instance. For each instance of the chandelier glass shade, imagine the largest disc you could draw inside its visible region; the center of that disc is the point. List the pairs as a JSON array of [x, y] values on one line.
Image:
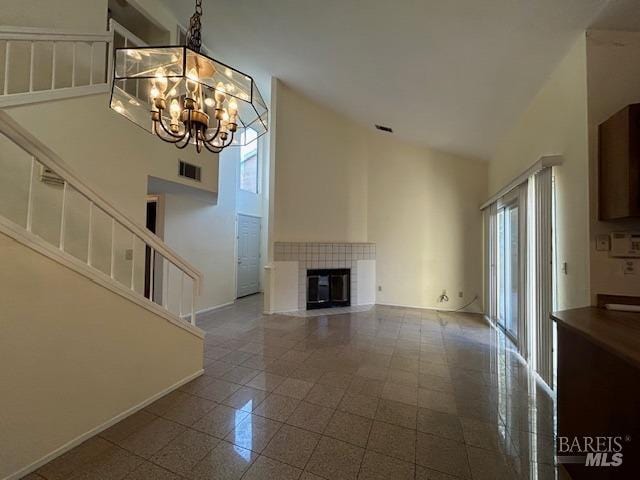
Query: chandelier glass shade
[[185, 97]]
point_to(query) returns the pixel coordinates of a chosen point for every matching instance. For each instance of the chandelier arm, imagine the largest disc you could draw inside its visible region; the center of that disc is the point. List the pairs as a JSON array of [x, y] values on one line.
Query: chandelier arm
[[186, 142], [213, 148], [213, 137], [168, 132], [164, 138]]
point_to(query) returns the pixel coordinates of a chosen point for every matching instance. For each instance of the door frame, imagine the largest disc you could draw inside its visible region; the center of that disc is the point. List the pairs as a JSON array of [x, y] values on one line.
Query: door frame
[[237, 256], [516, 197]]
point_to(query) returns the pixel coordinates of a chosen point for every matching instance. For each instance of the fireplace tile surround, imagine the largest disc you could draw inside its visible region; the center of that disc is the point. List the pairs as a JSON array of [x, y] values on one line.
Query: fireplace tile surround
[[323, 255]]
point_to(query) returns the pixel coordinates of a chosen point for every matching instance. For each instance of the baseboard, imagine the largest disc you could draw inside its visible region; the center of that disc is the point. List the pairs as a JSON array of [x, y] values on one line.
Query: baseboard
[[94, 431], [211, 309]]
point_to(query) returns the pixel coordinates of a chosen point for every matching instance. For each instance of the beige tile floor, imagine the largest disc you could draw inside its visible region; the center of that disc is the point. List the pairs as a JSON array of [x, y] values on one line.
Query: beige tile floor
[[387, 393]]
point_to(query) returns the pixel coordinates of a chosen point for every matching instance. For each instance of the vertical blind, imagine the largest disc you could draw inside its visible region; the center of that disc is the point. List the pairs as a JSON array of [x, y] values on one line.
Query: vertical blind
[[535, 334], [542, 291]]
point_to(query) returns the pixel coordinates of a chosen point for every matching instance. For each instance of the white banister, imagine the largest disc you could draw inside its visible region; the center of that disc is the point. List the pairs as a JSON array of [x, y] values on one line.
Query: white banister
[[59, 173], [24, 92]]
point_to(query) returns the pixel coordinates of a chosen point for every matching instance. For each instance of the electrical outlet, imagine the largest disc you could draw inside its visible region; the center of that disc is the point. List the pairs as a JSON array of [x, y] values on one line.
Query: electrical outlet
[[629, 267], [128, 254], [460, 294], [379, 288], [603, 243]]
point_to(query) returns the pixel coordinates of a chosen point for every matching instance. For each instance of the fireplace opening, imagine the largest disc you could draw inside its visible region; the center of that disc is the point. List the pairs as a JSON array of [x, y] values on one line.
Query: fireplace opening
[[328, 288]]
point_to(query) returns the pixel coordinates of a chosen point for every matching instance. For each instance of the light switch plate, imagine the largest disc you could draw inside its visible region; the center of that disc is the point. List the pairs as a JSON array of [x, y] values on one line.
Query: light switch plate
[[629, 267], [603, 243]]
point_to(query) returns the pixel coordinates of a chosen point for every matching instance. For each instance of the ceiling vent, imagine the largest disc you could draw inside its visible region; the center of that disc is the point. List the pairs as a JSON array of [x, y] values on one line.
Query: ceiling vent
[[384, 129], [188, 170]]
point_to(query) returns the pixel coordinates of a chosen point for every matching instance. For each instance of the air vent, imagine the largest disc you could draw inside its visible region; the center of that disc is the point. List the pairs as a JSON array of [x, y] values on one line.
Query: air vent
[[190, 171], [384, 129]]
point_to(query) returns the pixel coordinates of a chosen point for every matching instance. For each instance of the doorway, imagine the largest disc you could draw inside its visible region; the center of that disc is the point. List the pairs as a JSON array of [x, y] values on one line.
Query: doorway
[[153, 263], [248, 277]]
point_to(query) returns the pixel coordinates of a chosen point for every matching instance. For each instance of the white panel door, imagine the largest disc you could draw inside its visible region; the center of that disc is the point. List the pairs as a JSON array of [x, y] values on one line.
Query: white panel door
[[248, 255]]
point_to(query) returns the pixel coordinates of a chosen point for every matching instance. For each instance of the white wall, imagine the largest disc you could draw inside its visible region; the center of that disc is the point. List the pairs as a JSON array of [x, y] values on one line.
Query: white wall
[[337, 181], [613, 83], [556, 123], [206, 235]]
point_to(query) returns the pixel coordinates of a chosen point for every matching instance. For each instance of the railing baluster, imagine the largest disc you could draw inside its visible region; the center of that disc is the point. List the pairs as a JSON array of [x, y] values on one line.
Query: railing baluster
[[90, 243], [7, 53], [62, 219], [133, 261], [152, 270], [53, 65], [73, 66], [91, 52], [32, 66], [30, 195], [113, 245], [165, 283], [193, 302], [181, 292]]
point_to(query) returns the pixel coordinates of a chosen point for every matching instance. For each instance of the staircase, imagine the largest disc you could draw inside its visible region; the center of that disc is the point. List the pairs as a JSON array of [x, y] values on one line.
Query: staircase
[[97, 314]]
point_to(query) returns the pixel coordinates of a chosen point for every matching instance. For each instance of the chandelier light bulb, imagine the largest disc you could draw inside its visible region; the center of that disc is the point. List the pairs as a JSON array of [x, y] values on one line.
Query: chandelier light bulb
[[161, 80], [232, 108], [220, 94], [209, 102], [155, 93]]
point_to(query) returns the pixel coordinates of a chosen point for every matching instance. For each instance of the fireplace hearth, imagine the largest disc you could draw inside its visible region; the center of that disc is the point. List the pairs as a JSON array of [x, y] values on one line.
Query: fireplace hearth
[[328, 288]]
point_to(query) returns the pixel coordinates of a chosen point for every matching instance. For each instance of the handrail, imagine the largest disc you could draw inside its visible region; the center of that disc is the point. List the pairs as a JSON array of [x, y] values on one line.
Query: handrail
[[8, 32], [12, 130]]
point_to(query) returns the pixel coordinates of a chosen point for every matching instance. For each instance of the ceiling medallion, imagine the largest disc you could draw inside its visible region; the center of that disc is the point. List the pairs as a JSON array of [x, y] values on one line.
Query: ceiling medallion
[[185, 97]]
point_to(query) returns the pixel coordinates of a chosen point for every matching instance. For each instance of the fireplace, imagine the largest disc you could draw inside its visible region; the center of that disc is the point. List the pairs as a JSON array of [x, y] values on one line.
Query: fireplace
[[328, 288]]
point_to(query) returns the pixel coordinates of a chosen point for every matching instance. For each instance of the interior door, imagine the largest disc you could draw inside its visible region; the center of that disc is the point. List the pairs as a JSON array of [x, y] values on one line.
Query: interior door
[[248, 255]]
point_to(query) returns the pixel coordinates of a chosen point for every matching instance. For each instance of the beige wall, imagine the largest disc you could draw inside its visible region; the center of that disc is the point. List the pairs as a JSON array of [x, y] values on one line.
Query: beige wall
[[63, 374], [338, 181], [613, 83], [321, 180], [424, 217], [556, 123]]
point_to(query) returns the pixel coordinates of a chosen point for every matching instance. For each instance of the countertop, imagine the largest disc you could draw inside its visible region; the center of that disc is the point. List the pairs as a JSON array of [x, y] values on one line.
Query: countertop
[[617, 332]]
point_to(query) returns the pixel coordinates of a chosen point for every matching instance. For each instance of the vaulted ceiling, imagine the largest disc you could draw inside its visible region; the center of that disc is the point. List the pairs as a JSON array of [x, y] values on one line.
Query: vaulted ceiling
[[452, 74]]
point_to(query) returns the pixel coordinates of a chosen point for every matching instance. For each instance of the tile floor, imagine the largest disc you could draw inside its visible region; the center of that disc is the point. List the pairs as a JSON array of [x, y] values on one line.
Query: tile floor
[[387, 393]]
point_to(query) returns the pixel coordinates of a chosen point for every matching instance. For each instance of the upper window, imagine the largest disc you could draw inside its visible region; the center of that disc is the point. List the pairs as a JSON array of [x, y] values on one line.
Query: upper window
[[249, 163]]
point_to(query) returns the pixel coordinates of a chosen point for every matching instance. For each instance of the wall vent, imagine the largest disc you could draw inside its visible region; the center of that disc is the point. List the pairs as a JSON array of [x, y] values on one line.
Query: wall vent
[[190, 171], [384, 129]]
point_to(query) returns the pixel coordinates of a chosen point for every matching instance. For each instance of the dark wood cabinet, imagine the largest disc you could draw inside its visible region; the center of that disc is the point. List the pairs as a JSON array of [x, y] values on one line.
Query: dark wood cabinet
[[619, 165]]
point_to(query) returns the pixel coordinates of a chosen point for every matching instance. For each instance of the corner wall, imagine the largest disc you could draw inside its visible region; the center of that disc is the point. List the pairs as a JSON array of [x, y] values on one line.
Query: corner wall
[[337, 181], [556, 123]]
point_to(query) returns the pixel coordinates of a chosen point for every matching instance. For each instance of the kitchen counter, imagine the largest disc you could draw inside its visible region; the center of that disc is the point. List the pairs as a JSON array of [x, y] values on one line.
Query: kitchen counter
[[616, 332]]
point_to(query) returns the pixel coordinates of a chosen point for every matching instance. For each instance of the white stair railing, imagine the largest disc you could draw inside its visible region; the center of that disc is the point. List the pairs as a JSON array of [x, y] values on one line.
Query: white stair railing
[[45, 205], [40, 65]]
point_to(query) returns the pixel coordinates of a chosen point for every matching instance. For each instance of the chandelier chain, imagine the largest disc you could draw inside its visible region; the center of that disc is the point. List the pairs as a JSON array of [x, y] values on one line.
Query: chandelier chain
[[194, 34]]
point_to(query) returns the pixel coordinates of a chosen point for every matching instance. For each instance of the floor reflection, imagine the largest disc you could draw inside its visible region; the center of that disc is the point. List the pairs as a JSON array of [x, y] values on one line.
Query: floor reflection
[[384, 393]]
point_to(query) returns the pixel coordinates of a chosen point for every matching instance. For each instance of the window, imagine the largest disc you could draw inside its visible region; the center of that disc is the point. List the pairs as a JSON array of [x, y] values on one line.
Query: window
[[249, 163]]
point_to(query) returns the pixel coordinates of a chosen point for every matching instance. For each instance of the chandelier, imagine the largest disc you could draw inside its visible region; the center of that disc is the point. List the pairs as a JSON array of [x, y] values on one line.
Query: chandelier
[[185, 97]]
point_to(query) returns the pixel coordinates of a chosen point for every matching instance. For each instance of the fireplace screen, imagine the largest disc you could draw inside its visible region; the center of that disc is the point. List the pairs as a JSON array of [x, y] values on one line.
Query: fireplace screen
[[328, 288]]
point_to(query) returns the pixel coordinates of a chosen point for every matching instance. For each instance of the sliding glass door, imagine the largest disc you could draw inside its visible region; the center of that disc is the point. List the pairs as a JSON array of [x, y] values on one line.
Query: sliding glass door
[[508, 268]]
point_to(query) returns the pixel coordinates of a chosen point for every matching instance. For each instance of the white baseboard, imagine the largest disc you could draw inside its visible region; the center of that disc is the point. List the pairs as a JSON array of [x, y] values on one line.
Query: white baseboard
[[211, 309], [94, 431]]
